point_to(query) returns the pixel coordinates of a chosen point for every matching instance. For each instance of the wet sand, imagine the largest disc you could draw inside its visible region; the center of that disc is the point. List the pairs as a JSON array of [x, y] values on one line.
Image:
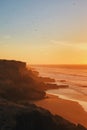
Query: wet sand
[[69, 110]]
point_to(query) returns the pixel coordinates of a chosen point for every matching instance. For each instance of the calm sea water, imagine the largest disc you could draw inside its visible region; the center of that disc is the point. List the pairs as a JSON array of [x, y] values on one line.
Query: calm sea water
[[73, 75]]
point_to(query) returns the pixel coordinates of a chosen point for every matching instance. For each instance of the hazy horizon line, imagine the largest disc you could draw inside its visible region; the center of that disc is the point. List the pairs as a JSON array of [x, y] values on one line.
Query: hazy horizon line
[[58, 64]]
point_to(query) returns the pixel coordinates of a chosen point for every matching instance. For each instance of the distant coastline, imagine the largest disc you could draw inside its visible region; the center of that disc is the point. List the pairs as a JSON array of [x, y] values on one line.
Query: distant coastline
[[68, 66]]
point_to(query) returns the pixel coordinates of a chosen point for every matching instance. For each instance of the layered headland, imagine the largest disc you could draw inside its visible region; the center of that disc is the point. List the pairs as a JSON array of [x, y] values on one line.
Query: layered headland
[[19, 87]]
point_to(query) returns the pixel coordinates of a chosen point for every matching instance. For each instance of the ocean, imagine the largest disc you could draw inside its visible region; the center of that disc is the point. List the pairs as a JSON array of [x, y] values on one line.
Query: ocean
[[75, 76]]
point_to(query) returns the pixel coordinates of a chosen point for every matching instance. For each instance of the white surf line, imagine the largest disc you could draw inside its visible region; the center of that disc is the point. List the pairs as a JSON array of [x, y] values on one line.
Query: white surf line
[[82, 103]]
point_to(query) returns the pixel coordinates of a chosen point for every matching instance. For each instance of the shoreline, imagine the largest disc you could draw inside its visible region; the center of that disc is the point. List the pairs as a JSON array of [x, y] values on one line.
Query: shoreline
[[78, 97], [69, 110]]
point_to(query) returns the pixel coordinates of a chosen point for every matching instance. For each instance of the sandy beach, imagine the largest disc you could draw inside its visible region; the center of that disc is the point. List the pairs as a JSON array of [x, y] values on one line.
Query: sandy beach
[[69, 110]]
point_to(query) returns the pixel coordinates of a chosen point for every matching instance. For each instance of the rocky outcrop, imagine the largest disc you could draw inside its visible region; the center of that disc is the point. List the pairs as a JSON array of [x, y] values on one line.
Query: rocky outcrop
[[19, 83], [18, 86], [29, 117], [47, 79]]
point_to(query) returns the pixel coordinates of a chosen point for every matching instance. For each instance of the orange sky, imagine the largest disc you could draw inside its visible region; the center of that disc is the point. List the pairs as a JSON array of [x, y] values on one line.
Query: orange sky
[[44, 32]]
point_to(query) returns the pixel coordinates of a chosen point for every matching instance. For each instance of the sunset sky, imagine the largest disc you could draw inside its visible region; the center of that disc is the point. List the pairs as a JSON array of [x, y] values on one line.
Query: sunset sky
[[44, 31]]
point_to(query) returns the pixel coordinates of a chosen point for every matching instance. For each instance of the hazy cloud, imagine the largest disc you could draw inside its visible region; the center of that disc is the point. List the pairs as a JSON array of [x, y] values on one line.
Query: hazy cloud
[[79, 45], [7, 37], [66, 42], [4, 40]]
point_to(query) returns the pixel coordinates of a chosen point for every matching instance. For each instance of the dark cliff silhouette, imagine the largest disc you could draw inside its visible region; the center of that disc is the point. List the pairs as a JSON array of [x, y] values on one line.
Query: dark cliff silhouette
[[17, 83], [30, 117]]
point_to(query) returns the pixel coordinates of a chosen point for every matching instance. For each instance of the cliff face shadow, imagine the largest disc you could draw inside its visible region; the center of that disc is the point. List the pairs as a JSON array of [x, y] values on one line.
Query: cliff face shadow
[[37, 120], [18, 84]]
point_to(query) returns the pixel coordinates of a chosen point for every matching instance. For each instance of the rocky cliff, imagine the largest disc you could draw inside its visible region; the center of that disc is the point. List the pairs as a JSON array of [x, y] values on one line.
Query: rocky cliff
[[29, 117], [18, 86], [19, 83]]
